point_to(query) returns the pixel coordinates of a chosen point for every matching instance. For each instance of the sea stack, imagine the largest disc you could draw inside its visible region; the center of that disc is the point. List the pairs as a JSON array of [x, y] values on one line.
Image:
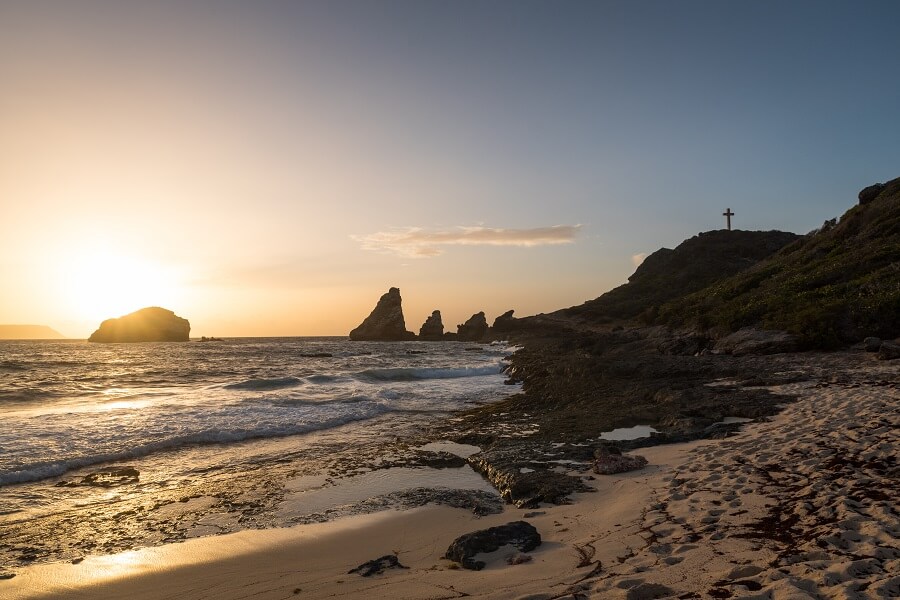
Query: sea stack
[[433, 328], [474, 329], [386, 322], [151, 324]]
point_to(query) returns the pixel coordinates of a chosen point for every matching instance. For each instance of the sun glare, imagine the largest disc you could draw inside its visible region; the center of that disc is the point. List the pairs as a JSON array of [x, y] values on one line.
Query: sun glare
[[101, 283]]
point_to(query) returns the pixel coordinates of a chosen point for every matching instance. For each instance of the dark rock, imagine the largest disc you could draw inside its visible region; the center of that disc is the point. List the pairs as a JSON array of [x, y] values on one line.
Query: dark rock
[[867, 194], [610, 461], [474, 329], [112, 477], [520, 534], [386, 322], [317, 355], [872, 344], [377, 566], [433, 328], [505, 323], [151, 324], [7, 575], [889, 351], [450, 335], [750, 340]]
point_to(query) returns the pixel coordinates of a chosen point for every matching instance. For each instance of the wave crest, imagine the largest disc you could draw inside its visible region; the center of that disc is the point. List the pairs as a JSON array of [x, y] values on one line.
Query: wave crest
[[416, 373]]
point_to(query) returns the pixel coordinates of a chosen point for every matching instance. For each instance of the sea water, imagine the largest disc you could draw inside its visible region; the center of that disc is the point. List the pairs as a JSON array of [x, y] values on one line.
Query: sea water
[[209, 410]]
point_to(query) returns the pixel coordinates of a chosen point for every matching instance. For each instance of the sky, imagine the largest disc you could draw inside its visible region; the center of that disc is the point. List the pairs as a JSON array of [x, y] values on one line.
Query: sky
[[271, 168]]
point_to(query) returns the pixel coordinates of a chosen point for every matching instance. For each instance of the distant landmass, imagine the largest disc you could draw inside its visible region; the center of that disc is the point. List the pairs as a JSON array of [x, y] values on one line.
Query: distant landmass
[[29, 332], [152, 324]]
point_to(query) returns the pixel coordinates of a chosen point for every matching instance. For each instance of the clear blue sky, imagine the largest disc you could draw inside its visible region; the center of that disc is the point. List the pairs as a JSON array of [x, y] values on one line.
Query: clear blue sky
[[305, 156]]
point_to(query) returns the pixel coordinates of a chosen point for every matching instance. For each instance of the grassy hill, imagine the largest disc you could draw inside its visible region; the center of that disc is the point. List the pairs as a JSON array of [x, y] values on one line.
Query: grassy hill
[[669, 274], [834, 286]]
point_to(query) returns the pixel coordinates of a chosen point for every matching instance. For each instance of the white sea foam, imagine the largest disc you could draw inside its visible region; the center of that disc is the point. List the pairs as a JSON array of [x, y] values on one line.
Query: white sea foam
[[123, 402], [118, 449]]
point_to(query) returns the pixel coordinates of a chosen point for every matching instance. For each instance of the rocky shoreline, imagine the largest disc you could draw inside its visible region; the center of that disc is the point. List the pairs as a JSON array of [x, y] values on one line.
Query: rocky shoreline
[[535, 448], [796, 504]]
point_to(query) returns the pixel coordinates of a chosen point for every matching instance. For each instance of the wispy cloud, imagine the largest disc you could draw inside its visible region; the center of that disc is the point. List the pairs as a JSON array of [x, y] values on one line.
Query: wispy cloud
[[421, 243], [637, 259]]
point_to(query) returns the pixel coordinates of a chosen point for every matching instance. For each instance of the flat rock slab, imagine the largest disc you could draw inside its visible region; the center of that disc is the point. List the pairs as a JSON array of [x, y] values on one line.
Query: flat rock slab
[[520, 534]]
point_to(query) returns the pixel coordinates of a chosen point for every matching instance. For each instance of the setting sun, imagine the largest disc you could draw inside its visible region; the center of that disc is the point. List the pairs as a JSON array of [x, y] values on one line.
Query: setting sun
[[99, 283]]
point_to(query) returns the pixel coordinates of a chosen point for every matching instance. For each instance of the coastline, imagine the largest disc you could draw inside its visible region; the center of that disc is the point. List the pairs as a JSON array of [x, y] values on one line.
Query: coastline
[[779, 510]]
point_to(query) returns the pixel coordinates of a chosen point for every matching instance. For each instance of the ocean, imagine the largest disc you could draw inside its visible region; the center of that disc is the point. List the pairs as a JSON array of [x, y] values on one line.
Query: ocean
[[239, 431]]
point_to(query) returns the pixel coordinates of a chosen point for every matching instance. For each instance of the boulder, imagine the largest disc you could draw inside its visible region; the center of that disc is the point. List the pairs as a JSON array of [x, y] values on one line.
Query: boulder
[[505, 322], [750, 340], [385, 323], [867, 194], [474, 329], [889, 351], [609, 461], [433, 328], [151, 324], [872, 344], [520, 534]]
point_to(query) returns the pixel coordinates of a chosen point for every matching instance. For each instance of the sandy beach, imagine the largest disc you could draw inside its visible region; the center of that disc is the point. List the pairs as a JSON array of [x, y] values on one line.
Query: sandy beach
[[802, 505]]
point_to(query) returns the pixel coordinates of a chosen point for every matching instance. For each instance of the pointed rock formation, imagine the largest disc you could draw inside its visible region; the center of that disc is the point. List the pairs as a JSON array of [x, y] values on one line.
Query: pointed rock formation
[[472, 330], [151, 324], [505, 322], [386, 322], [433, 328]]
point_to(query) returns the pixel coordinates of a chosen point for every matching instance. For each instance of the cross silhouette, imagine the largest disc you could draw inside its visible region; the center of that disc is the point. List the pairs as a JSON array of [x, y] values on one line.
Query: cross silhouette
[[728, 214]]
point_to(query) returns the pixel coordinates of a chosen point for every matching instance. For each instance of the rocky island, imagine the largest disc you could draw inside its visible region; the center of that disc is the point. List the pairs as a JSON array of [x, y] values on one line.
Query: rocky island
[[385, 323], [152, 324]]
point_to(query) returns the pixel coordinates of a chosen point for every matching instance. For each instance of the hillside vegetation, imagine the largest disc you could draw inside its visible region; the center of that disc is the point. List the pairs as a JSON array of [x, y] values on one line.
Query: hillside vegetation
[[669, 274], [834, 286]]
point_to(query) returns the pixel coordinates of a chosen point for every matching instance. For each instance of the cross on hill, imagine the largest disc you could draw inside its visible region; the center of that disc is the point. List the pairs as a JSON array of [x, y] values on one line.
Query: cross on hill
[[728, 214]]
